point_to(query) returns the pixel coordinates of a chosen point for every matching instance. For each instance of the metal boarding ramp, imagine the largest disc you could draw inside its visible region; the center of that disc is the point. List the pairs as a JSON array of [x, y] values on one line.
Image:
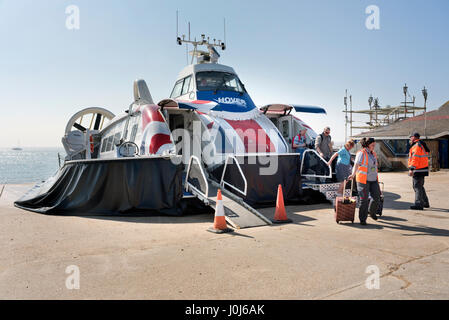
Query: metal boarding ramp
[[312, 179], [237, 213]]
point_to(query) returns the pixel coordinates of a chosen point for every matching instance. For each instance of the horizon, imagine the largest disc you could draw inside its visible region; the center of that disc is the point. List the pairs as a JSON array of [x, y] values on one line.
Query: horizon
[[306, 52]]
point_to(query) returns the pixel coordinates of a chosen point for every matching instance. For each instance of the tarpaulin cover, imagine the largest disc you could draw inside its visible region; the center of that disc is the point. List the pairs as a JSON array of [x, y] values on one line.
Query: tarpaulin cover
[[262, 182], [104, 187]]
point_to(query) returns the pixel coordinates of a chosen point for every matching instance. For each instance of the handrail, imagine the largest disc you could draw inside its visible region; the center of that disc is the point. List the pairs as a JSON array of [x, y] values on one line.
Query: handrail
[[187, 184], [314, 175], [222, 182]]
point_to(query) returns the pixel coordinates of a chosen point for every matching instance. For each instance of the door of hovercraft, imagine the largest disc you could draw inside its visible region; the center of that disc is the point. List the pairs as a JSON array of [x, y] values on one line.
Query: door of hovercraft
[[313, 166]]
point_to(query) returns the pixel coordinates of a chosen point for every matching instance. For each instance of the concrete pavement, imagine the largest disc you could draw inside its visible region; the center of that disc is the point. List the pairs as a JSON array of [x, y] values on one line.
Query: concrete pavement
[[175, 258]]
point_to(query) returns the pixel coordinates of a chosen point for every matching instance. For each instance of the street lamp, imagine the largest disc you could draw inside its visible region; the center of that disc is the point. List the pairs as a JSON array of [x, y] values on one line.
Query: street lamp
[[405, 88], [370, 102], [345, 102], [424, 93], [376, 106]]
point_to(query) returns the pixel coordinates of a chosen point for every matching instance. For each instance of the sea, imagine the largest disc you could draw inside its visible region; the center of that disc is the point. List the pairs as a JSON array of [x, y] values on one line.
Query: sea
[[29, 165]]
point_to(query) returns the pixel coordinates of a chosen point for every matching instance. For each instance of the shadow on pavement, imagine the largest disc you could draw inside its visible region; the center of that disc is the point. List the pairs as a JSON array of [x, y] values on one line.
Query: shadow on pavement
[[300, 219], [390, 218], [420, 231], [357, 225], [391, 202], [198, 218], [236, 234]]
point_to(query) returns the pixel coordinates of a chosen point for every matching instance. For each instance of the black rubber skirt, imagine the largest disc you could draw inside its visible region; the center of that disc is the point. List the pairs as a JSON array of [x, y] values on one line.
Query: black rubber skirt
[[147, 185]]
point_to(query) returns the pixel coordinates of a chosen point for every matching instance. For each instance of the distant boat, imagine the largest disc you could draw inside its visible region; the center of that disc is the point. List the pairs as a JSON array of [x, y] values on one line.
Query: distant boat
[[18, 148]]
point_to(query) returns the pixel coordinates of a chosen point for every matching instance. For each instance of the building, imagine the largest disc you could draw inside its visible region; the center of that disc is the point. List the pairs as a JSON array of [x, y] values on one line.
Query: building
[[393, 139]]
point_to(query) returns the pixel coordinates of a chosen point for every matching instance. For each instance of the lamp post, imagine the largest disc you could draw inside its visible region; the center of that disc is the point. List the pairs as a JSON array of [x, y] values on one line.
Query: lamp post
[[346, 114], [405, 88], [370, 102], [350, 114], [376, 106], [424, 93]]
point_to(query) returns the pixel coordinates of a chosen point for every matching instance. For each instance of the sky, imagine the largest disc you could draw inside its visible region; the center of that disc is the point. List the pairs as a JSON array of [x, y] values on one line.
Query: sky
[[303, 52]]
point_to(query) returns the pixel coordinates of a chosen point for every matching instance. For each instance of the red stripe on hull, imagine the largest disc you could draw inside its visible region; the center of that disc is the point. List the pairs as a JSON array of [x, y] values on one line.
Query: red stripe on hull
[[252, 135], [157, 141], [151, 113]]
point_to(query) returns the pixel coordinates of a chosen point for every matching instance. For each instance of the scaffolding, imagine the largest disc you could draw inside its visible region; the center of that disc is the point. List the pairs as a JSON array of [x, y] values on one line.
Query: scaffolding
[[381, 116]]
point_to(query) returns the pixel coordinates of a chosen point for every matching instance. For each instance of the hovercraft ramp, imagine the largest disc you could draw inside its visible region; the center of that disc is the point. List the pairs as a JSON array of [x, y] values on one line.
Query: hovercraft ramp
[[237, 212]]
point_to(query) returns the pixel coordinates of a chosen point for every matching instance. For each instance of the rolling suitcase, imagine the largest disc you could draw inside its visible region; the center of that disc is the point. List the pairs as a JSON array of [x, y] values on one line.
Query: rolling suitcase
[[345, 207], [381, 202]]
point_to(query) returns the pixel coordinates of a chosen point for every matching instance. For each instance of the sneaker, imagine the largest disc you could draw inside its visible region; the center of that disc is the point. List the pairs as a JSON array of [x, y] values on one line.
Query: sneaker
[[373, 216], [416, 208], [426, 206], [363, 223]]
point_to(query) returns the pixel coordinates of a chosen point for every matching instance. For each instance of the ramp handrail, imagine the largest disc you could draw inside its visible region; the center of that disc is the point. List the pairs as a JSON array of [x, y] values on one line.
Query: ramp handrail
[[314, 175], [189, 185], [223, 183]]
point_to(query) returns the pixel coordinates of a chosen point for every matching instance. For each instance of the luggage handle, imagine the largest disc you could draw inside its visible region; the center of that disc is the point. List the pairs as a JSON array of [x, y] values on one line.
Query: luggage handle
[[352, 188], [352, 185], [383, 186]]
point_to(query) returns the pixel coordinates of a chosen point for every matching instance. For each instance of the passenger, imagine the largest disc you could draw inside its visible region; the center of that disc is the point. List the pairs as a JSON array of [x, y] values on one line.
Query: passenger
[[300, 141], [365, 171], [343, 168], [323, 144], [418, 164]]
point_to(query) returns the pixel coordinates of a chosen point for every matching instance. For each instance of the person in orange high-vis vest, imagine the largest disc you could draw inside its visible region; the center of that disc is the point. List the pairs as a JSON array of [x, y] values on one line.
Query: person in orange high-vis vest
[[365, 171], [418, 164]]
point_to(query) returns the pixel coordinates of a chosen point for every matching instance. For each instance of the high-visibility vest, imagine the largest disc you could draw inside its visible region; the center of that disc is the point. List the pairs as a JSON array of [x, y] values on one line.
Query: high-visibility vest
[[418, 160], [362, 171]]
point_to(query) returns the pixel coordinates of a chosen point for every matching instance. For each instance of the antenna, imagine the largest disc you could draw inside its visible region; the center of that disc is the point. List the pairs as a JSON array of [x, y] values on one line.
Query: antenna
[[209, 56], [224, 34]]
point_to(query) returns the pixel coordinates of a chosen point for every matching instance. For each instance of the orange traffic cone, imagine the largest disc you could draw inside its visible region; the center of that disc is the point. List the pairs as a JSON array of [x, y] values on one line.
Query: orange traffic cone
[[219, 220], [280, 215]]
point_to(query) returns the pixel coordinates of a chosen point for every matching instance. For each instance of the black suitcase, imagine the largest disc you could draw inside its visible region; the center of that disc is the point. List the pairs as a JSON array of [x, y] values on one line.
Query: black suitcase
[[380, 208]]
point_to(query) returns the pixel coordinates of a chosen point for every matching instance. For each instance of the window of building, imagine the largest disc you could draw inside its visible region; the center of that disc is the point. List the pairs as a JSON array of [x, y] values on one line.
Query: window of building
[[398, 147]]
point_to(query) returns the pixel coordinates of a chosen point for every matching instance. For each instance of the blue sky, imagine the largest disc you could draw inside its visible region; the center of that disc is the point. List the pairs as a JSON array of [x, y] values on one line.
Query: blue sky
[[305, 52]]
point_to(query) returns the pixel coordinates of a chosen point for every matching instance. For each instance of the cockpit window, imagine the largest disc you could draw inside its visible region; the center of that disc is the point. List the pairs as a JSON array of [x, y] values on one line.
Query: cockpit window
[[177, 89], [182, 87], [212, 80]]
